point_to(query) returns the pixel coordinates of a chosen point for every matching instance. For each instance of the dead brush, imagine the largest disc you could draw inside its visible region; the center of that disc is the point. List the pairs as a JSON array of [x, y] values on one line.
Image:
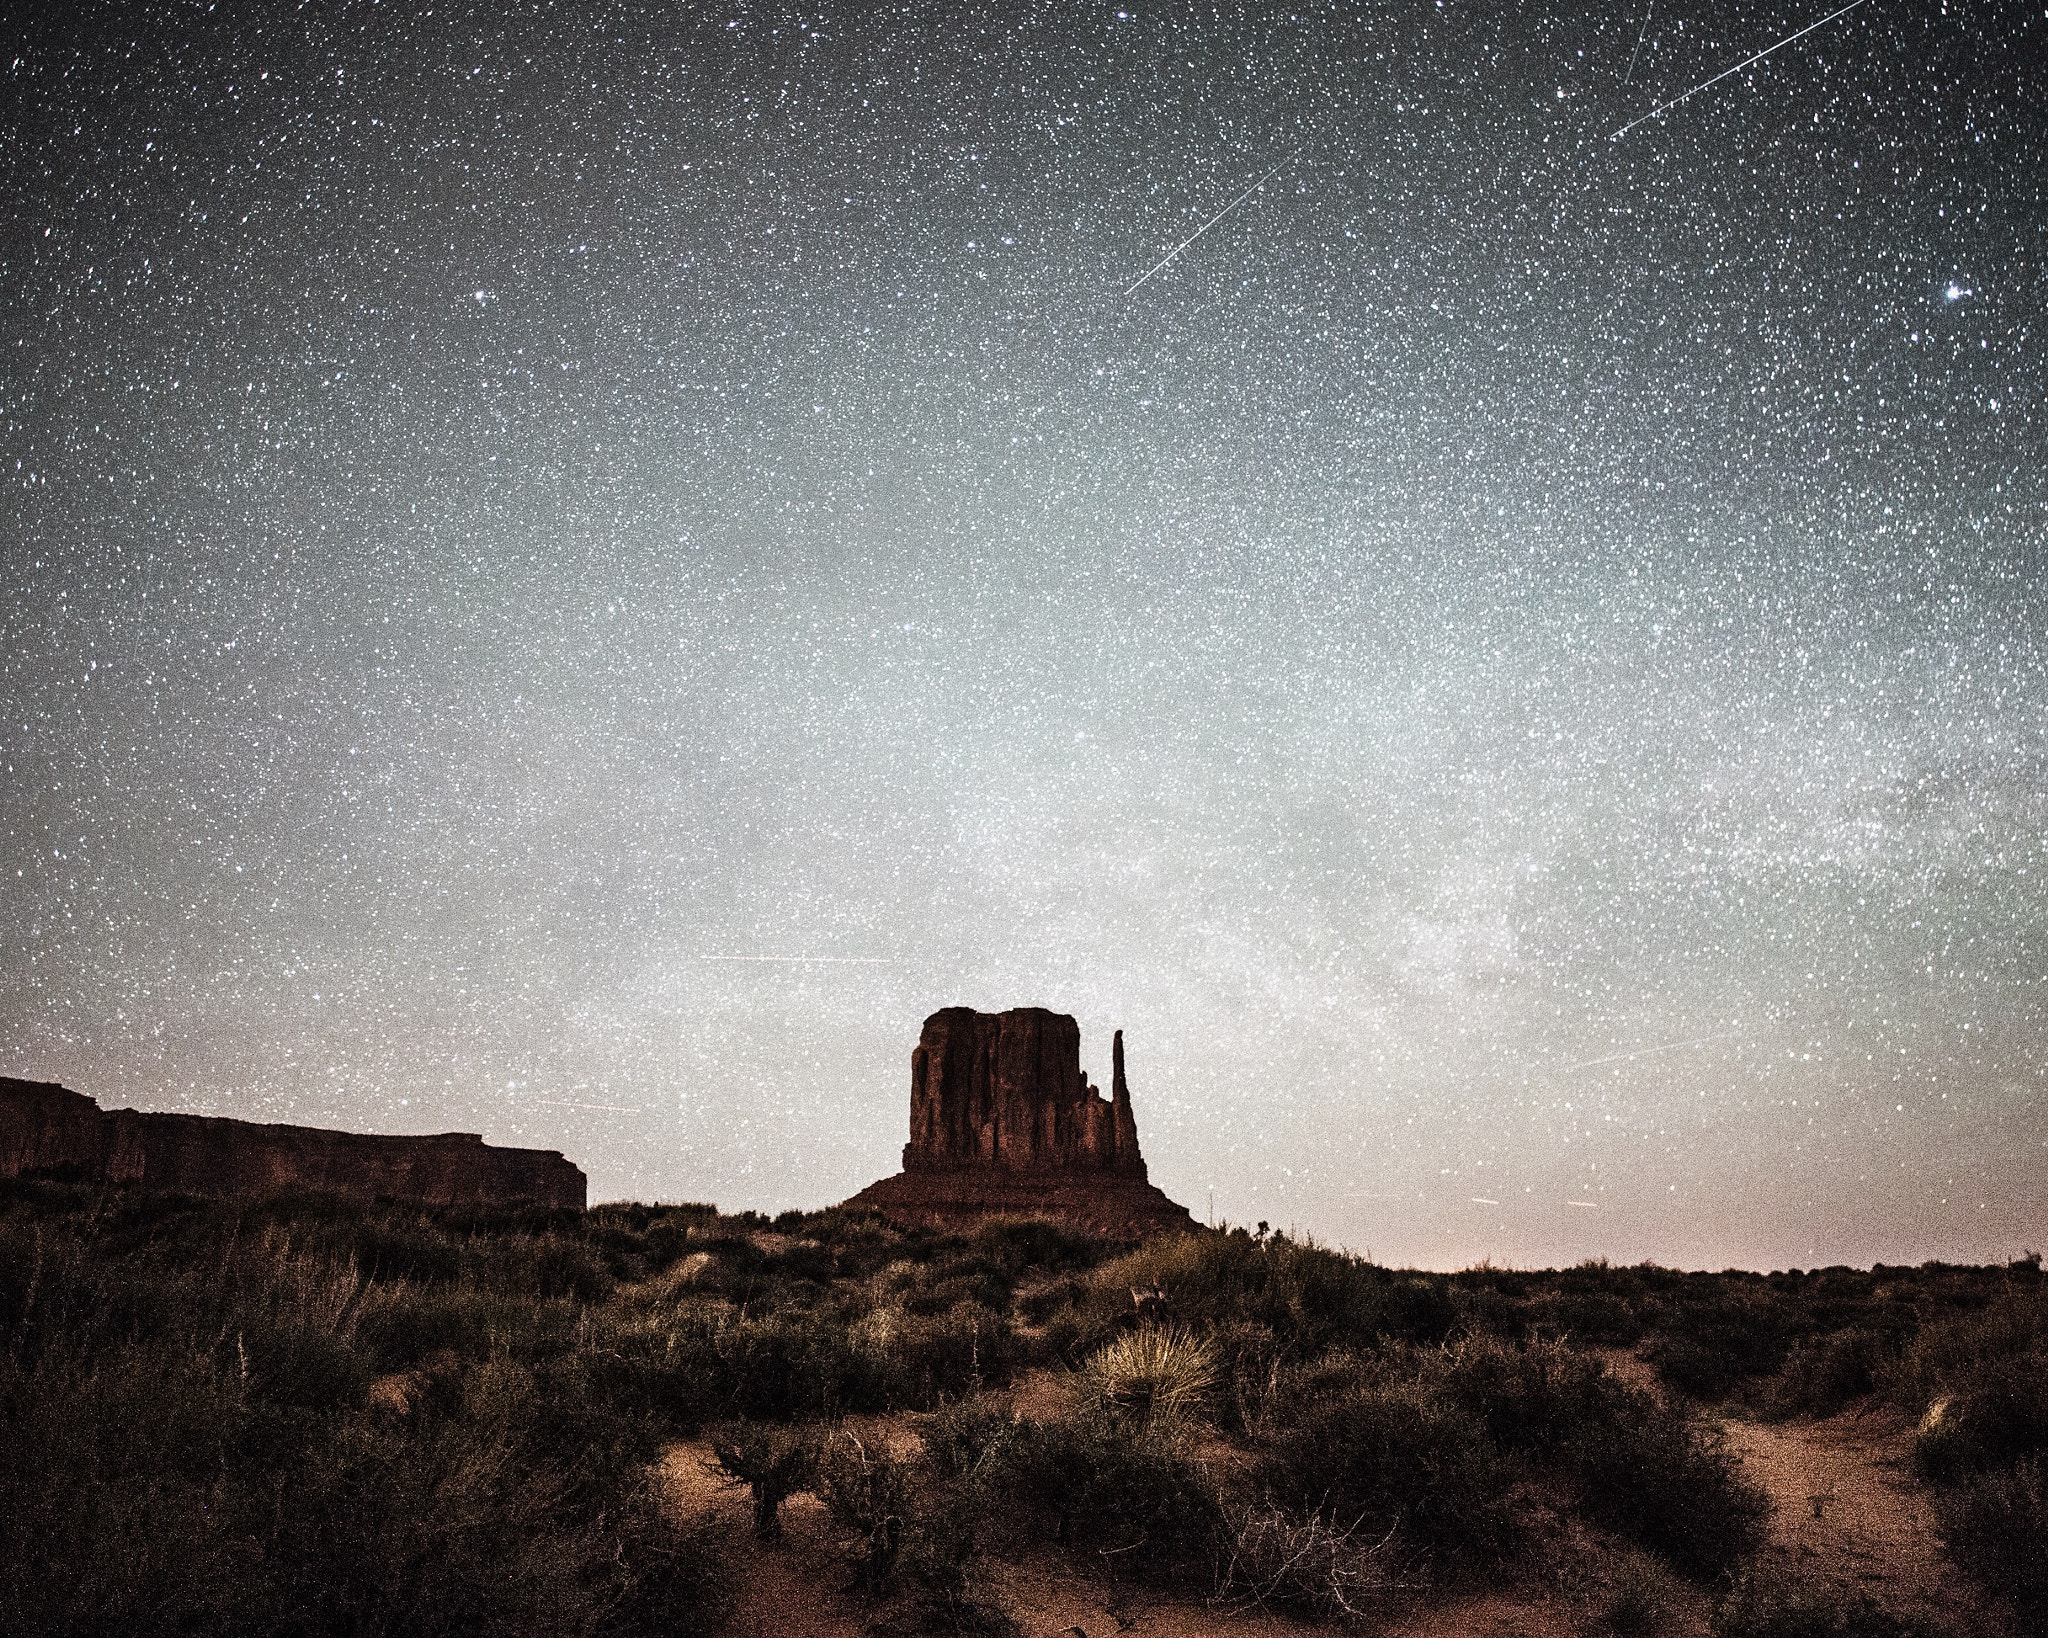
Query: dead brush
[[1308, 1562], [1152, 1373], [867, 1492], [772, 1461]]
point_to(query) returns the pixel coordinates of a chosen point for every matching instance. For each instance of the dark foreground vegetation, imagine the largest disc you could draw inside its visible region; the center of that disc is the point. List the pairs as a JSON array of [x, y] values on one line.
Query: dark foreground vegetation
[[300, 1416]]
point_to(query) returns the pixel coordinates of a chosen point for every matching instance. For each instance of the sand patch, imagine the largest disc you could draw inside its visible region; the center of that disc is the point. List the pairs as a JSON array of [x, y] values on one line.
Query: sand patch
[[1850, 1514]]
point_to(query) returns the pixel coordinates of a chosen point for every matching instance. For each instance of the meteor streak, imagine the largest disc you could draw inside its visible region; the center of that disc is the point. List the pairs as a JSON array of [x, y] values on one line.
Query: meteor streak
[[1737, 69], [1645, 1052], [1225, 211], [607, 1108], [1645, 29], [847, 961]]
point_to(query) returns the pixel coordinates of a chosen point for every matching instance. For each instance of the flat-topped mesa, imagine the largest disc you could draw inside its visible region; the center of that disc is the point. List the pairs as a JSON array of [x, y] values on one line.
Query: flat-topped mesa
[[1006, 1089], [1003, 1123], [44, 1127]]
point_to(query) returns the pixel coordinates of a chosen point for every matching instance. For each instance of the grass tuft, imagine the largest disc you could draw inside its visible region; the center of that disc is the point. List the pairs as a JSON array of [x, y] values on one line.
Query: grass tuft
[[1151, 1372]]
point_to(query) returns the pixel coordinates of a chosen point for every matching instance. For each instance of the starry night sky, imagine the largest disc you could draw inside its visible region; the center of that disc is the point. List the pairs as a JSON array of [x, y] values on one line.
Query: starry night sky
[[1515, 668]]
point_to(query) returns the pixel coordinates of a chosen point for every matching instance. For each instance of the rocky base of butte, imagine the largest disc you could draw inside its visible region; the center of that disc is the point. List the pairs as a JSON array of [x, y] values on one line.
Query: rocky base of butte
[[1004, 1124]]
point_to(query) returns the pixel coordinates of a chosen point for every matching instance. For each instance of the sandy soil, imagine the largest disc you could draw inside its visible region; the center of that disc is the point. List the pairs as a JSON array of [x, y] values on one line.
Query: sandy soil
[[1851, 1515]]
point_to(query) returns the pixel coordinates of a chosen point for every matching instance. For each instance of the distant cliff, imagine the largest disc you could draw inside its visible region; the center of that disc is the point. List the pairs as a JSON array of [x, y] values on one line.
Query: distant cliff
[[1003, 1123], [45, 1127]]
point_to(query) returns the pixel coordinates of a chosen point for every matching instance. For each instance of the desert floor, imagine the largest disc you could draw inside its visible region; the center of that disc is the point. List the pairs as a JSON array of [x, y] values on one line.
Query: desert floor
[[1849, 1516]]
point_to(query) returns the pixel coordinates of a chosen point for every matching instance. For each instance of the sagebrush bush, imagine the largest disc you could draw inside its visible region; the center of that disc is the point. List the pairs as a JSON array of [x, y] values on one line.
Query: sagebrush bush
[[1640, 1598], [1997, 1415], [1995, 1525], [867, 1489], [1135, 1497], [193, 1445], [1823, 1374], [1652, 1474], [1389, 1454], [963, 1436], [1307, 1295]]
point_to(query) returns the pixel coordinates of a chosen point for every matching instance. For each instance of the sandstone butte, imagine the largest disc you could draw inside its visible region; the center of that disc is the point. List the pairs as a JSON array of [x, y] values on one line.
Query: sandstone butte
[[44, 1127], [1004, 1124]]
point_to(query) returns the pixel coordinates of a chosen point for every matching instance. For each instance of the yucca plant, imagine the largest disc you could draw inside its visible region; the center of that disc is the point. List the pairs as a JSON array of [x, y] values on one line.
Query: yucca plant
[[1152, 1372]]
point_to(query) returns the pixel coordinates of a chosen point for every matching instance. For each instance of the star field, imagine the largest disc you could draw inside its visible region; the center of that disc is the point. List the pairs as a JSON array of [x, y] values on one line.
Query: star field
[[1513, 667]]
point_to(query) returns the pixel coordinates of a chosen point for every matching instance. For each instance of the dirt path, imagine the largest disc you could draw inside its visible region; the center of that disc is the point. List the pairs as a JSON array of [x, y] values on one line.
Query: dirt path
[[1851, 1515]]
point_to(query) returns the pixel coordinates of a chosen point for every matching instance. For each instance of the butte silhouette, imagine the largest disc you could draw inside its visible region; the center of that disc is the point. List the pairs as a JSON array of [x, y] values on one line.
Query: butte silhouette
[[1004, 1124]]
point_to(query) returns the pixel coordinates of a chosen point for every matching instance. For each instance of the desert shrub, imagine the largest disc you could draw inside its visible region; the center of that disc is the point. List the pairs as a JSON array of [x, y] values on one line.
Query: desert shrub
[[1650, 1473], [866, 1488], [1309, 1297], [397, 1324], [1995, 1525], [1136, 1496], [1013, 1245], [1386, 1455], [964, 1435], [916, 1529], [1305, 1562], [1054, 1299], [1600, 1317], [779, 1366], [400, 1248], [1152, 1371], [1640, 1598], [940, 1585], [945, 1282], [1765, 1605], [1644, 1470], [916, 1361], [774, 1462], [298, 1365], [552, 1264], [1248, 1362], [191, 1446], [1823, 1374], [1711, 1364], [1998, 1415], [666, 1238], [960, 1351], [1984, 1378], [1534, 1400], [1951, 1351]]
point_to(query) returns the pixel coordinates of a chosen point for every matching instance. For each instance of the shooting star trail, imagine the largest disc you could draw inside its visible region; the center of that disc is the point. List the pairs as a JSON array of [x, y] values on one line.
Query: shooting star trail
[[607, 1108], [1647, 1052], [1645, 29], [1737, 69], [844, 961], [1225, 211]]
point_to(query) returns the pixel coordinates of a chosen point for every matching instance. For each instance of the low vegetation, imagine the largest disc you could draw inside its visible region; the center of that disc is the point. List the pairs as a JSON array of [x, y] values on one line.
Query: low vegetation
[[298, 1416]]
